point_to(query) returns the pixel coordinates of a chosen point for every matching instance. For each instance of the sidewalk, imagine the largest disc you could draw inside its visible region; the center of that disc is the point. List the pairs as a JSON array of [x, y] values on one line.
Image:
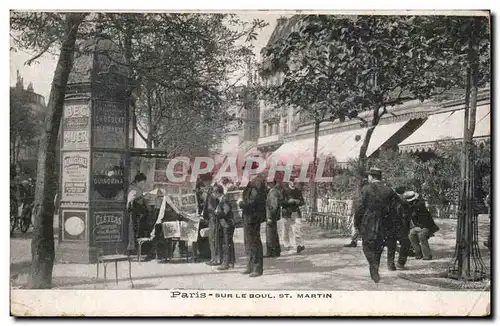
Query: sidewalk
[[324, 265]]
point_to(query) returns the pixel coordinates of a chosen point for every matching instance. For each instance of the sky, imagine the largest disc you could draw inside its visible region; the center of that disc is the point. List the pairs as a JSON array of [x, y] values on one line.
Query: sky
[[42, 72]]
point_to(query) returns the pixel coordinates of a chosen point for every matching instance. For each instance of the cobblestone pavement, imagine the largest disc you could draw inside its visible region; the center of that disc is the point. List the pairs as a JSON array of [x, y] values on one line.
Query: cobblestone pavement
[[324, 265]]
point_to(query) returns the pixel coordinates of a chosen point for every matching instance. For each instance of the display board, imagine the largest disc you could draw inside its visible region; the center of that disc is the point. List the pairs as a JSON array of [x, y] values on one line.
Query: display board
[[233, 198], [108, 227], [109, 125], [74, 225], [108, 182], [76, 126], [75, 176]]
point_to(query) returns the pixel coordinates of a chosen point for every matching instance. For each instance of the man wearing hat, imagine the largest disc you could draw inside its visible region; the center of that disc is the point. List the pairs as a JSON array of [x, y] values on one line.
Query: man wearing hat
[[293, 199], [253, 205], [422, 225], [373, 216], [400, 231], [273, 214]]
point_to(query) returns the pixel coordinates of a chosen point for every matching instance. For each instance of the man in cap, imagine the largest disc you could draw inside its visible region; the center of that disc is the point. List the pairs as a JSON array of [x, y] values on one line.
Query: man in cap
[[422, 225], [373, 218], [292, 201]]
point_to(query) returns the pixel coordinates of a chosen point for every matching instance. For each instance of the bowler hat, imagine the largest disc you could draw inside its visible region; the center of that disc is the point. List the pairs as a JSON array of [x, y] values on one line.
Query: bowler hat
[[376, 172]]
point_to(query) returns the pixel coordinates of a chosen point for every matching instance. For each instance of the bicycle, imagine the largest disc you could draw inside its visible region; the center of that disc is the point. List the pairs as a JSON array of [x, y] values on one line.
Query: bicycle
[[20, 221]]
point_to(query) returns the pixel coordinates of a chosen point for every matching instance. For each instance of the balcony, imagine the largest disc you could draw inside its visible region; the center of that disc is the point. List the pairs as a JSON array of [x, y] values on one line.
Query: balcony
[[270, 139]]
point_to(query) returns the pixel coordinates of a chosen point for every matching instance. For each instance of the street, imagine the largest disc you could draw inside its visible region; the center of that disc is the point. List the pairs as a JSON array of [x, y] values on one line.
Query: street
[[324, 265]]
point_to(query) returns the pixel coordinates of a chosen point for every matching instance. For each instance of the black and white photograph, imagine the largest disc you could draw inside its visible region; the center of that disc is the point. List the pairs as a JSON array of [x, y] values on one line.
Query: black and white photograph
[[283, 163]]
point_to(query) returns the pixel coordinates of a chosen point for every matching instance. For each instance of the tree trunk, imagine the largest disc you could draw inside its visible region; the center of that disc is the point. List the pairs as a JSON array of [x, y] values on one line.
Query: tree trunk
[[362, 161], [467, 263], [18, 149], [312, 181], [149, 141], [13, 151], [42, 244]]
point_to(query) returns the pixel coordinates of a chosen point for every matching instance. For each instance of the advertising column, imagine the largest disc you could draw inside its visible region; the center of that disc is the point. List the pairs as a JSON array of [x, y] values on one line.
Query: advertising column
[[74, 182], [108, 185]]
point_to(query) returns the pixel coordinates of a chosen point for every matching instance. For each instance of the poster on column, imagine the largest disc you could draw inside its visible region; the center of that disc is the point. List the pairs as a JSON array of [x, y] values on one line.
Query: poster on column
[[76, 126], [108, 227], [74, 225], [108, 182], [109, 125], [75, 176]]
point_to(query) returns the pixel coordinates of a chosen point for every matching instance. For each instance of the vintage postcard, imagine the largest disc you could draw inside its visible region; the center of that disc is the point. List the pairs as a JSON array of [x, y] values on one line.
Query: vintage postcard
[[250, 163]]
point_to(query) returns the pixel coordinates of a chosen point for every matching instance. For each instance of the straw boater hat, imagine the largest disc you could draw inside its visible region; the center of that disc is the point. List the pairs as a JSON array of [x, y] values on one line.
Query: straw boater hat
[[410, 195]]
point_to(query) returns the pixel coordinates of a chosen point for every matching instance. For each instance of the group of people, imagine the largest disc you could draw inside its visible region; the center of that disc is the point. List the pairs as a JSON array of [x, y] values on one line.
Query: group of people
[[22, 193], [260, 202], [384, 217]]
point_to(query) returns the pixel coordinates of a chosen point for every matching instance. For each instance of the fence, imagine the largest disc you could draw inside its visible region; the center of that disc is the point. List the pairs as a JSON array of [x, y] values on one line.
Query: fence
[[332, 214], [441, 211]]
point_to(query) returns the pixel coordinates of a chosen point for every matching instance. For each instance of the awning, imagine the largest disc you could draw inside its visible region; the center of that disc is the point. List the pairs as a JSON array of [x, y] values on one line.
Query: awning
[[343, 146], [446, 126]]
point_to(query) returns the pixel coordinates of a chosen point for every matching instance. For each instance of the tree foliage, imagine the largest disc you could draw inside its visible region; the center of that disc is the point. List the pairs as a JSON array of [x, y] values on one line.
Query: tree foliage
[[40, 32], [185, 67], [24, 124], [334, 67]]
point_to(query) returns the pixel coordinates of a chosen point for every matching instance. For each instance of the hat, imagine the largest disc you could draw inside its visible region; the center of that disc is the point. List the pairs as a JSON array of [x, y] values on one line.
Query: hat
[[218, 188], [410, 195], [400, 190], [140, 177], [376, 172]]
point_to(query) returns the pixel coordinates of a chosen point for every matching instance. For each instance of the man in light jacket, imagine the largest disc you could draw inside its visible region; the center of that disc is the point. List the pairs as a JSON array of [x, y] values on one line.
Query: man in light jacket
[[293, 200]]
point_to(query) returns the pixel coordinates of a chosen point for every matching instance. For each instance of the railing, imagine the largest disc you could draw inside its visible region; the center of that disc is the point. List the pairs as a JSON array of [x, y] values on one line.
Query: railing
[[332, 214], [443, 211]]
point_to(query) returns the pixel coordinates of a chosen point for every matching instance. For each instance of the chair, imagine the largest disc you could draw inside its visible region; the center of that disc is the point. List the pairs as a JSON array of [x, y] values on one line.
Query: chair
[[140, 242], [104, 258]]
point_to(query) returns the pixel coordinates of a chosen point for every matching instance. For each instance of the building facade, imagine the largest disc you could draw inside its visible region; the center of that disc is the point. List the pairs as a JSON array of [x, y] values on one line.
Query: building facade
[[245, 132], [285, 132], [27, 155]]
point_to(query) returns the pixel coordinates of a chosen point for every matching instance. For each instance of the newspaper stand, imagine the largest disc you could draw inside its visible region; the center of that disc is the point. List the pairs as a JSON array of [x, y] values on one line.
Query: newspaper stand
[[179, 196]]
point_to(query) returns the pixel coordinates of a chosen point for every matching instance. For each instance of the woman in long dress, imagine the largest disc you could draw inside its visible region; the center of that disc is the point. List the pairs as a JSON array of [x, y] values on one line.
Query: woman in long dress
[[137, 209]]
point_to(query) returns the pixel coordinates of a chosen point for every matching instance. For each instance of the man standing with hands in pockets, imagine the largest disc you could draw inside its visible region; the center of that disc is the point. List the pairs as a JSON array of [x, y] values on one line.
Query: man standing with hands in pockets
[[292, 218]]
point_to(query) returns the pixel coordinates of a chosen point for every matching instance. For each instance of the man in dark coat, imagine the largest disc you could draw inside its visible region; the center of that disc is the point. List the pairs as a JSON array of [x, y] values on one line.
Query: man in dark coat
[[226, 219], [422, 225], [253, 205], [273, 213], [215, 238], [372, 219], [400, 231]]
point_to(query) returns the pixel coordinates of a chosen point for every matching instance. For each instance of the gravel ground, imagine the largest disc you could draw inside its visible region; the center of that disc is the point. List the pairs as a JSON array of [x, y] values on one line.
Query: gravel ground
[[324, 265]]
